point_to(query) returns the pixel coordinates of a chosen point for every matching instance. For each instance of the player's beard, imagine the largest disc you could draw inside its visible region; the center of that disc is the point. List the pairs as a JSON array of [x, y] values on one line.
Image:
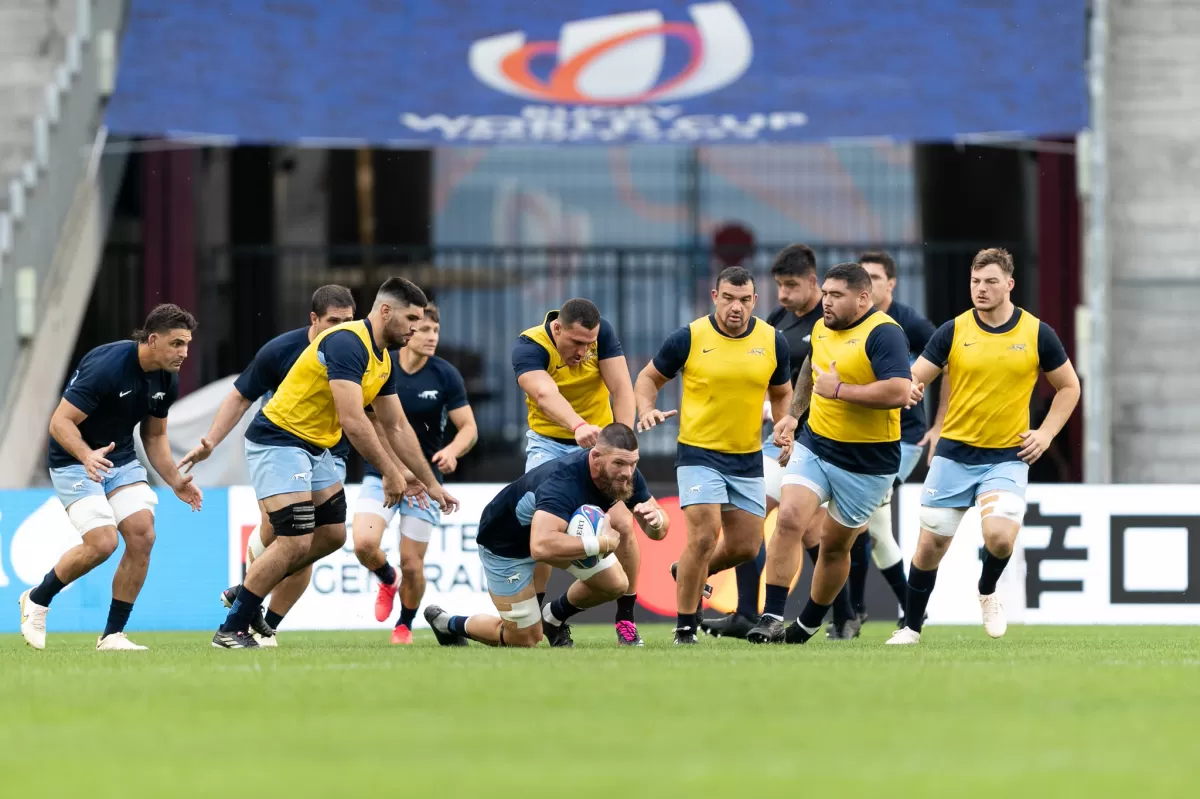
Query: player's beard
[[618, 492]]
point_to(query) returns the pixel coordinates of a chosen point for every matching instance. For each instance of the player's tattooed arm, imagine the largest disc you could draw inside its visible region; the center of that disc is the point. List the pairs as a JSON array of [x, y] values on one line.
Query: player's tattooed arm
[[802, 393]]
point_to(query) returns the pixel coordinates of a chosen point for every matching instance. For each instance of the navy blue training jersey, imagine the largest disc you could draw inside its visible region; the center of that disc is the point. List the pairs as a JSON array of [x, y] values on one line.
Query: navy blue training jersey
[[559, 487], [427, 396], [918, 330], [110, 386], [270, 365]]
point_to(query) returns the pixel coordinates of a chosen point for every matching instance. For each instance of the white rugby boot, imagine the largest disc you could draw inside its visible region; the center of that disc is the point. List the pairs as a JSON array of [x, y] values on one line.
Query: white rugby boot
[[33, 621], [903, 637], [994, 622], [117, 642]]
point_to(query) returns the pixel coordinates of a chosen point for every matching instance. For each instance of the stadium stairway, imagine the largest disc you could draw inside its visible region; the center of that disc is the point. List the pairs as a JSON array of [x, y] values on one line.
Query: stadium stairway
[[56, 192]]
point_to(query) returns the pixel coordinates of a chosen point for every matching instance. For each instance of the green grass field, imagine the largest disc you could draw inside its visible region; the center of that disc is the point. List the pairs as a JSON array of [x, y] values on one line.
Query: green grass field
[[1044, 712]]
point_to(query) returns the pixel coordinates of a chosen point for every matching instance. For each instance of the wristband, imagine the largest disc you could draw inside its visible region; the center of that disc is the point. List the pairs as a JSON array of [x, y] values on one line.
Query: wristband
[[581, 424], [591, 545], [836, 390], [658, 524]]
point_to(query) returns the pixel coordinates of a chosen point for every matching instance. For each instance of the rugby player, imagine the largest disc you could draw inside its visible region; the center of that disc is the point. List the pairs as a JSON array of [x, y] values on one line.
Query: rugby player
[[576, 381], [848, 453], [993, 355], [96, 473], [432, 392], [729, 360], [526, 524], [345, 369], [332, 305]]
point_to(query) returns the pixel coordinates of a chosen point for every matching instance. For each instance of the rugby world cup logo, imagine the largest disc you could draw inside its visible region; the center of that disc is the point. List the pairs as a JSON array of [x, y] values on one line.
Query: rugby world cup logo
[[619, 59]]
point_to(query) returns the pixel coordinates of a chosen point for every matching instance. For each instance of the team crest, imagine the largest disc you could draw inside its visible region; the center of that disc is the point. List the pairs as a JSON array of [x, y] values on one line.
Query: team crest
[[757, 351]]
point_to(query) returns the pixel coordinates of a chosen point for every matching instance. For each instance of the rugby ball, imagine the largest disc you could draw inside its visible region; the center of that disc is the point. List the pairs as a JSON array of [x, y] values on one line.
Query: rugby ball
[[587, 520]]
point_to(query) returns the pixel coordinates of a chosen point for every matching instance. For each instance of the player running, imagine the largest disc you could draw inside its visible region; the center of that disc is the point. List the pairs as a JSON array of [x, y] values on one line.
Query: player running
[[96, 473], [431, 391], [992, 354], [729, 360], [331, 306], [848, 453], [345, 369], [576, 381], [526, 524]]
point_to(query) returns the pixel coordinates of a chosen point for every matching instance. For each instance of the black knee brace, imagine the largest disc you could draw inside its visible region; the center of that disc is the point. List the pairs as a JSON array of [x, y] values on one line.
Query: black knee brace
[[298, 519], [332, 510]]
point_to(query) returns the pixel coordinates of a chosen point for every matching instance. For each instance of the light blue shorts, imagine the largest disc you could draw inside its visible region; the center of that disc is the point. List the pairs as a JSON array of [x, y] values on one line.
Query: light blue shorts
[[701, 485], [339, 465], [951, 484], [285, 470], [72, 483], [852, 497], [506, 576], [370, 500], [541, 449], [910, 456]]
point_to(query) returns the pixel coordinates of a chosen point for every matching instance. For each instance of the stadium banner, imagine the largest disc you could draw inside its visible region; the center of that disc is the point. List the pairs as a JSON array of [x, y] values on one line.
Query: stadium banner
[[480, 72], [1088, 554], [341, 593], [187, 567]]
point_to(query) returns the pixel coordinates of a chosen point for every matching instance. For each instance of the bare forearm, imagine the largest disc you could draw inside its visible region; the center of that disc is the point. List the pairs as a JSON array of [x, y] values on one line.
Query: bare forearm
[[645, 395], [882, 394], [408, 449], [802, 391], [557, 546], [781, 406], [464, 441], [362, 437], [623, 405], [555, 406], [66, 433], [939, 418], [232, 409], [158, 452], [1065, 400]]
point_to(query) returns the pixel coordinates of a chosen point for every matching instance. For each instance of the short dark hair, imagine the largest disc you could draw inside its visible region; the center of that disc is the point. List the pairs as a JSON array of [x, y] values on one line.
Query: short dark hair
[[163, 319], [619, 436], [332, 296], [401, 290], [735, 276], [431, 313], [794, 260], [852, 273], [579, 312], [993, 255], [882, 258]]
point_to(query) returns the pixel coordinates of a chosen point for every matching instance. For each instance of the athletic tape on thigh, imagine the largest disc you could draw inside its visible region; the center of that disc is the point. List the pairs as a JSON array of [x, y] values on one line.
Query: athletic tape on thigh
[[1004, 504], [297, 519], [331, 511], [414, 529], [941, 521], [374, 507], [525, 613], [91, 512], [799, 480], [136, 498]]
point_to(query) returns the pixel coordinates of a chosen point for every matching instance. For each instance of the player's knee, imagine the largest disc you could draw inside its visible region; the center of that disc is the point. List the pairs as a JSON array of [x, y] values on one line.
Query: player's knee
[[332, 511], [140, 541], [297, 519], [101, 543], [522, 637], [613, 584], [790, 521], [702, 539], [365, 550]]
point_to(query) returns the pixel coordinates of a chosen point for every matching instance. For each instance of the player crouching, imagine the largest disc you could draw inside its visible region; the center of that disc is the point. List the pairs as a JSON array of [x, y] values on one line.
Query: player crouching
[[526, 524]]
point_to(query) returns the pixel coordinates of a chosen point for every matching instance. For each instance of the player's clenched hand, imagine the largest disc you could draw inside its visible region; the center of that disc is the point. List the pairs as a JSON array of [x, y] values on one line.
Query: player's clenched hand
[[1036, 443], [445, 460], [609, 541], [826, 384], [96, 464], [650, 518], [586, 435], [653, 419], [442, 497], [394, 486], [189, 492], [917, 394], [198, 454]]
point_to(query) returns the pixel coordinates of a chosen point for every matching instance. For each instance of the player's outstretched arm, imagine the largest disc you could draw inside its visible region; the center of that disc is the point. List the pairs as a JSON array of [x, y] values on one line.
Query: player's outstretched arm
[[645, 393], [232, 409], [158, 451], [549, 542], [615, 373], [403, 440], [348, 401], [542, 389]]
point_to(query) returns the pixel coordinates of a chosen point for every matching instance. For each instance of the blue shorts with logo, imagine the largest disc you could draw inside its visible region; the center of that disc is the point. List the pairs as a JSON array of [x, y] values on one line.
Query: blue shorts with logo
[[852, 497], [71, 483], [372, 490], [951, 484], [339, 465], [506, 576], [542, 449], [910, 456], [285, 470], [703, 485]]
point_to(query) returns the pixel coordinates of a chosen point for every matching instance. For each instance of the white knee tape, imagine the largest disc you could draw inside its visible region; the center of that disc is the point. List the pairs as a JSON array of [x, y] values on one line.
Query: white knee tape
[[91, 512], [941, 521], [525, 613], [773, 477], [137, 498], [414, 529], [1004, 504], [255, 545]]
